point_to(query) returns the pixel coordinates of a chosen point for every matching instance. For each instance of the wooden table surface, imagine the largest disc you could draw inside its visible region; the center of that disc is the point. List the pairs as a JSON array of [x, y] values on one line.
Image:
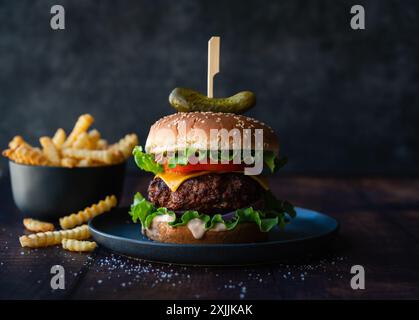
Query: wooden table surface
[[379, 230]]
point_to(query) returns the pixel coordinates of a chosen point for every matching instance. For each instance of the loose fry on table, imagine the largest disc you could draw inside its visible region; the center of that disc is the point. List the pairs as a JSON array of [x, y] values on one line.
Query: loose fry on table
[[59, 138], [126, 145], [51, 238], [88, 213], [29, 155], [69, 162], [83, 123], [50, 150], [37, 226], [78, 245]]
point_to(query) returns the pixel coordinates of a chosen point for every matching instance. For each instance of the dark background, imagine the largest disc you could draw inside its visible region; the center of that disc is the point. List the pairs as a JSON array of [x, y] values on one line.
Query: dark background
[[342, 101]]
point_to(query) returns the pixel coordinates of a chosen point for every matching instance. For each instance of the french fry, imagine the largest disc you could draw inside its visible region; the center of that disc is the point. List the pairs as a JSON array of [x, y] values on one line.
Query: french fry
[[88, 213], [82, 142], [9, 153], [51, 238], [50, 150], [81, 148], [37, 226], [83, 123], [59, 138], [77, 245], [16, 142], [105, 156], [126, 145], [85, 163], [102, 144], [89, 163], [29, 155], [94, 137], [68, 162]]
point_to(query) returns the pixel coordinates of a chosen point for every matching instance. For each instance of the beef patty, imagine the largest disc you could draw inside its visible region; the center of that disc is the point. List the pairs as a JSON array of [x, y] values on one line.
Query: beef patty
[[211, 193]]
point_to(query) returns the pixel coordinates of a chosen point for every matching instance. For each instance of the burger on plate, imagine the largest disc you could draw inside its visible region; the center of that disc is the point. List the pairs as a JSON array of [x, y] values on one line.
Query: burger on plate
[[206, 188]]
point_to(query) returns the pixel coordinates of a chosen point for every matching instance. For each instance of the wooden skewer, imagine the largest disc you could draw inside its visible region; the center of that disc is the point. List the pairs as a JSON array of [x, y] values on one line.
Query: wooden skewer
[[213, 63]]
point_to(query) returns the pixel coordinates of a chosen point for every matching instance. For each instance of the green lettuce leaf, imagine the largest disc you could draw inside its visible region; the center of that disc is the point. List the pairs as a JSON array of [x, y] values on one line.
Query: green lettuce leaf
[[219, 155], [146, 161], [181, 158], [159, 211], [189, 215], [140, 209], [273, 162], [275, 215]]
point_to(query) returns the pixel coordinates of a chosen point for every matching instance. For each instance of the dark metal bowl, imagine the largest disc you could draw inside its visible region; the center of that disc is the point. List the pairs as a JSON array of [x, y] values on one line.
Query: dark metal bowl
[[49, 193]]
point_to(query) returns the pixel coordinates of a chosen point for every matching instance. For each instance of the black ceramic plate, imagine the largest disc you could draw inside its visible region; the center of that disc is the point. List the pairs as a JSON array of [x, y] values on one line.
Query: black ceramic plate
[[307, 233]]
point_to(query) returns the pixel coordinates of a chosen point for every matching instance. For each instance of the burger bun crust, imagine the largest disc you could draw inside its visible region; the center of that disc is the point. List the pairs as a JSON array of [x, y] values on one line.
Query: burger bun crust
[[193, 129], [242, 233]]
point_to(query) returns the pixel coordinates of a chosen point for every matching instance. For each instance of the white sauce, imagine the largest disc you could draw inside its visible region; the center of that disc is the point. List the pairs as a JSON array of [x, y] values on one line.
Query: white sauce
[[219, 226], [163, 218], [159, 219], [197, 228]]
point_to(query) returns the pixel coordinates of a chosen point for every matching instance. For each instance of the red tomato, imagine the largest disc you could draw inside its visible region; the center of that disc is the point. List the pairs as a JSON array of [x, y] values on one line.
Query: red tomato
[[205, 167]]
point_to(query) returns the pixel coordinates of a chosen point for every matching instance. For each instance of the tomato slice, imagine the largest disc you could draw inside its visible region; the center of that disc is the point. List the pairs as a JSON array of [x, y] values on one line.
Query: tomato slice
[[228, 167]]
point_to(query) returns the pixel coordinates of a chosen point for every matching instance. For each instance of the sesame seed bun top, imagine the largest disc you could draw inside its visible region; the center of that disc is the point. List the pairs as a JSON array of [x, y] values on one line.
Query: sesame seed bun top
[[195, 130]]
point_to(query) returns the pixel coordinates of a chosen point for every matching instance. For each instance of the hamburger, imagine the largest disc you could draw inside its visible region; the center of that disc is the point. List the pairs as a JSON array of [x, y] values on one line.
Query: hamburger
[[210, 180]]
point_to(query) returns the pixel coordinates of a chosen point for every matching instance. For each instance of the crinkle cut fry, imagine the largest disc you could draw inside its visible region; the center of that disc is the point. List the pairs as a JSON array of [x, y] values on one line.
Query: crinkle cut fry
[[51, 238], [37, 225], [28, 155], [78, 245], [126, 144], [83, 123], [107, 156], [88, 213]]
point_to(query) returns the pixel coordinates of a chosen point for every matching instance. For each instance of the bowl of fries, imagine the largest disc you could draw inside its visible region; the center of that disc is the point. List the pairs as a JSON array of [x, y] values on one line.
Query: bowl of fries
[[67, 173]]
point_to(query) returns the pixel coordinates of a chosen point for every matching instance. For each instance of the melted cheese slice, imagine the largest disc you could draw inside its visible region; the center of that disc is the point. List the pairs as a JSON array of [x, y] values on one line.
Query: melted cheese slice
[[174, 180]]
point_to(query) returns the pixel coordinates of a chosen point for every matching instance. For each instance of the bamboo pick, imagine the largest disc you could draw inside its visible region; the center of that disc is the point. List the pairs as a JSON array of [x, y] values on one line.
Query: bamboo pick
[[213, 63]]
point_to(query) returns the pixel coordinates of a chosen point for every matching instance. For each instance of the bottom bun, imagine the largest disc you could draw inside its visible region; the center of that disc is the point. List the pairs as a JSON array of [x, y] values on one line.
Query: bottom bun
[[242, 233]]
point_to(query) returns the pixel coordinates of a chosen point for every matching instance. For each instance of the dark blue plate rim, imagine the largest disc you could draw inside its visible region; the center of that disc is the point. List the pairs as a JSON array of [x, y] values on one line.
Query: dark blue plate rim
[[332, 231]]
